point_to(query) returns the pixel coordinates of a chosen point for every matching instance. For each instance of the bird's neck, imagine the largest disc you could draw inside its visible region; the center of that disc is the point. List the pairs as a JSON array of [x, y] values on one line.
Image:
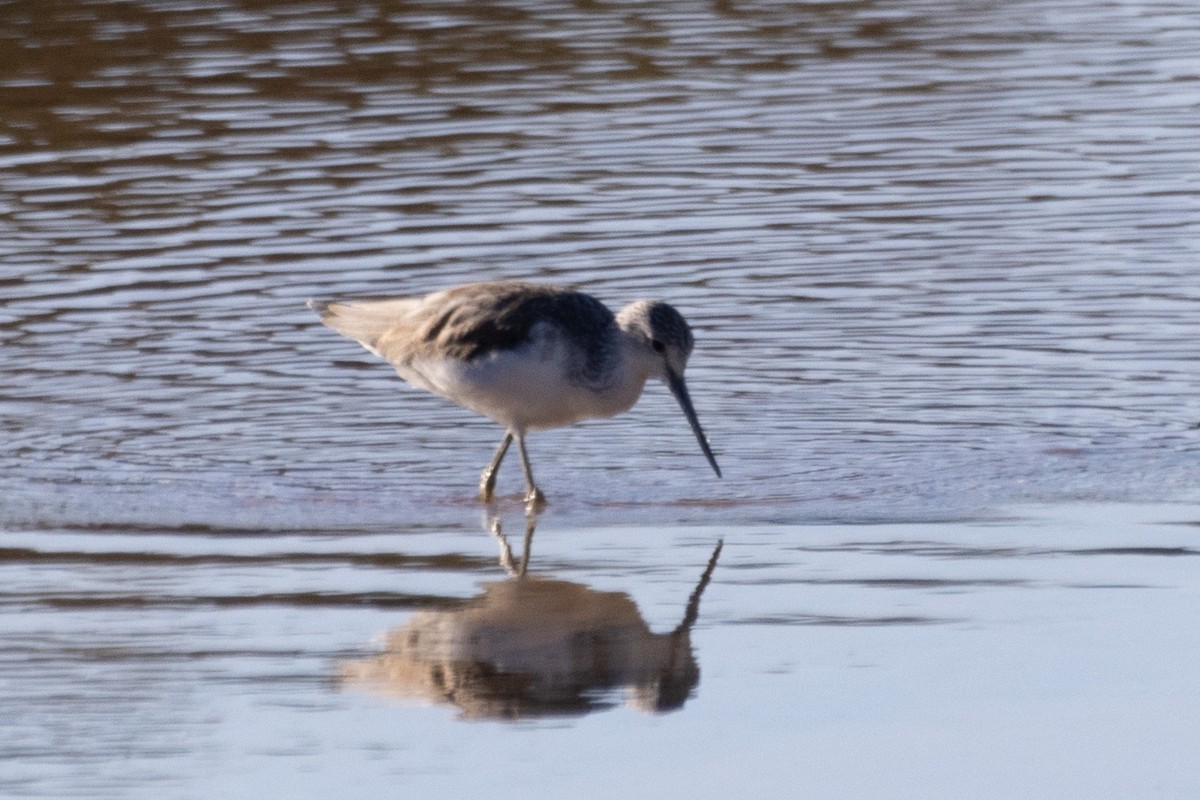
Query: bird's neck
[[621, 385]]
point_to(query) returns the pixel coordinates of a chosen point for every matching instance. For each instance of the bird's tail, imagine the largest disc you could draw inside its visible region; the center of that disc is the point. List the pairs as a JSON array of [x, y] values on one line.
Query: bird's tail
[[365, 321]]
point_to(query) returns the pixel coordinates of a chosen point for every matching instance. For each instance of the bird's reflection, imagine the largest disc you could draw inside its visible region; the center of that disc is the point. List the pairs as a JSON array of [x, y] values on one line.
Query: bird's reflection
[[534, 646]]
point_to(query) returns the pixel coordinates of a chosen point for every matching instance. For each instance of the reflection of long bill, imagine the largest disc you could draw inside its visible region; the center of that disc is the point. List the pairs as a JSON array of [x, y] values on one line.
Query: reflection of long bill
[[679, 389]]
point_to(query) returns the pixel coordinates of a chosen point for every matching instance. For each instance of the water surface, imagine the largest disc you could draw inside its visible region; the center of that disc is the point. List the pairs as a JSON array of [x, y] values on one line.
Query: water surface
[[934, 252], [1043, 655], [941, 259]]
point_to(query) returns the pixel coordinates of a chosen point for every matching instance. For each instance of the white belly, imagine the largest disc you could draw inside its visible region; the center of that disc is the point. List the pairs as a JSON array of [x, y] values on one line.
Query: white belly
[[526, 388]]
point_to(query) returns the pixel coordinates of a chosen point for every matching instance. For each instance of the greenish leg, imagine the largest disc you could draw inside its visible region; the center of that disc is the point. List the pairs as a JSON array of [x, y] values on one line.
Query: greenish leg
[[487, 481], [534, 499]]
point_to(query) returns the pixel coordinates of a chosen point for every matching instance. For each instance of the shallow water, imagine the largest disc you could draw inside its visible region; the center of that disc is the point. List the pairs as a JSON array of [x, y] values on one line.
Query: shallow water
[[941, 259], [1051, 653]]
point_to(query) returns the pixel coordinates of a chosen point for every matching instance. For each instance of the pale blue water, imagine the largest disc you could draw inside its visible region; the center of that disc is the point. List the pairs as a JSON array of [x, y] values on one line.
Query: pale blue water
[[941, 259], [1050, 653]]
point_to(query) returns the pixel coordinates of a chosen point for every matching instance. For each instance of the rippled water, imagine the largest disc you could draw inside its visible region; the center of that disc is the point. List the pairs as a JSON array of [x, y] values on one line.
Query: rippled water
[[941, 258], [930, 250]]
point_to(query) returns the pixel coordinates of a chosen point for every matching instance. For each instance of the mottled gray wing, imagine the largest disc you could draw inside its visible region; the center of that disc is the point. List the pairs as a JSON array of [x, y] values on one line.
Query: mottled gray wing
[[471, 321]]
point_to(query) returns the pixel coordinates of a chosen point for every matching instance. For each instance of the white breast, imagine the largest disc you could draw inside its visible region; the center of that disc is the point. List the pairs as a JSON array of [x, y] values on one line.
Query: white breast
[[528, 387]]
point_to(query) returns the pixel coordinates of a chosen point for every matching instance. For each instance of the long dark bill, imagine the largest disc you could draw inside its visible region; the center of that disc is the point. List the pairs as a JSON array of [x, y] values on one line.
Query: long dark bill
[[679, 389]]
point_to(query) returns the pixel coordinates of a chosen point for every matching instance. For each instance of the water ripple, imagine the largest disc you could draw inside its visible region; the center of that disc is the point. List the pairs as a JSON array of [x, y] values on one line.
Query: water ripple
[[936, 254]]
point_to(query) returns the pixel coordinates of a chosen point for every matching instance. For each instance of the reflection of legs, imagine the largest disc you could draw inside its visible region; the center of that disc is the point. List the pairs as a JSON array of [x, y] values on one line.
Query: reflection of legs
[[492, 523], [534, 499], [487, 481], [530, 524]]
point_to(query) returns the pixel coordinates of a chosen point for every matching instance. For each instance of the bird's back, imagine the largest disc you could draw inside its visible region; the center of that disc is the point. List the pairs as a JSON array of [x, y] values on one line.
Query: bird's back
[[467, 322]]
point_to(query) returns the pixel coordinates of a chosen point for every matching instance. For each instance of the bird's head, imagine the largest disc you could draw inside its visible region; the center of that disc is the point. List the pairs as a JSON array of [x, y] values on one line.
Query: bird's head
[[665, 342]]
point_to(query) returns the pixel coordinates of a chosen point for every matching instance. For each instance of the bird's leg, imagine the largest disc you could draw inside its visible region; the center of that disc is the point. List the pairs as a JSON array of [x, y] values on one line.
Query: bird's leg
[[534, 499], [487, 481]]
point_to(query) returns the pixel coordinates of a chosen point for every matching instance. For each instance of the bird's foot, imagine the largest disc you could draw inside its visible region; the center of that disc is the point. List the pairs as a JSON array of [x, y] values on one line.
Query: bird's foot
[[535, 501]]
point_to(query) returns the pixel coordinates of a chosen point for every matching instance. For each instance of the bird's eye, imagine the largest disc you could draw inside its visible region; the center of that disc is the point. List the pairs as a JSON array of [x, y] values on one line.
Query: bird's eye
[[658, 346]]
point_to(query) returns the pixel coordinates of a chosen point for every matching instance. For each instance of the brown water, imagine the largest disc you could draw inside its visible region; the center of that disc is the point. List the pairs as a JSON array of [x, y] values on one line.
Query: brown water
[[942, 262]]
